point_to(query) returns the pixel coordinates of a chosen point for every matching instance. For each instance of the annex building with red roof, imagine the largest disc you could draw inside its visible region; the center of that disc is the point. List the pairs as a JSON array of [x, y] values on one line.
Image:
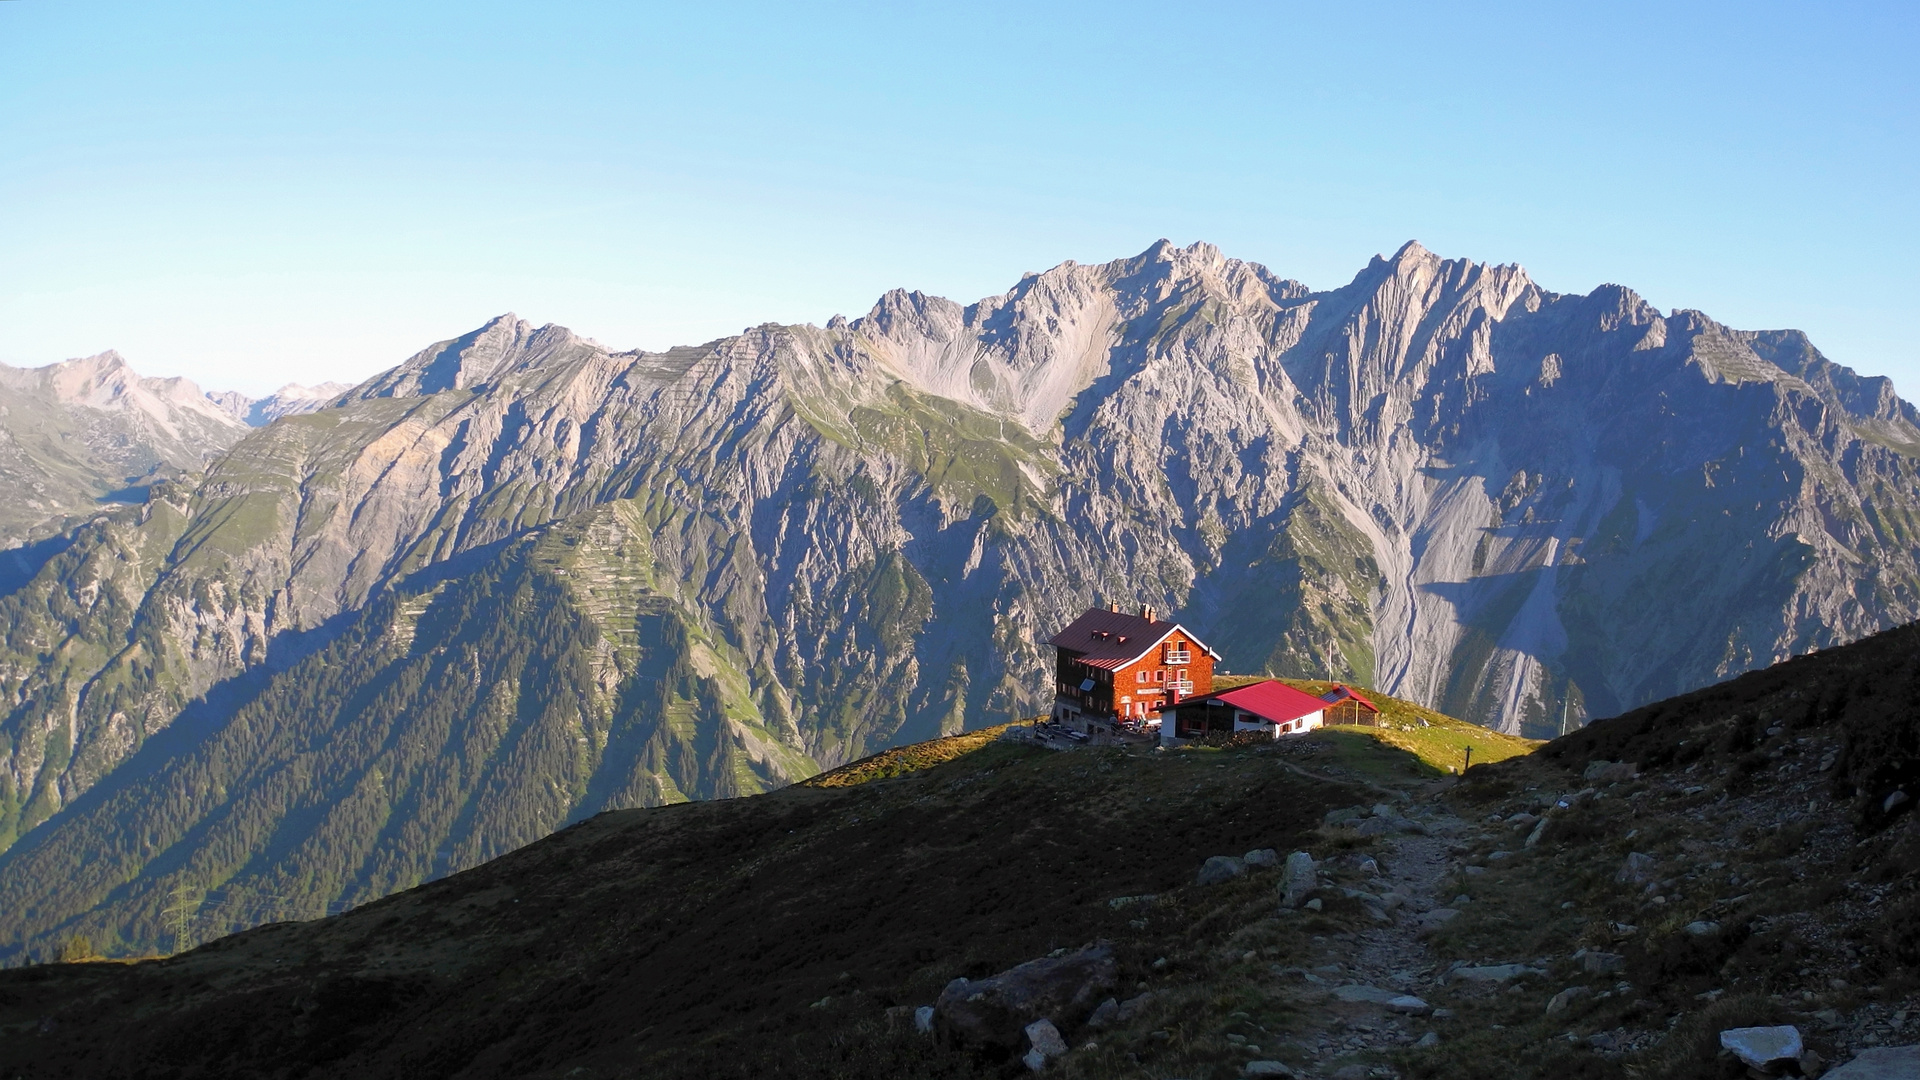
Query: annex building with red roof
[[1269, 707], [1119, 670]]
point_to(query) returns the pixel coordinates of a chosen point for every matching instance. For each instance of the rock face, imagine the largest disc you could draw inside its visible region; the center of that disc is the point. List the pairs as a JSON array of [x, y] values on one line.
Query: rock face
[[785, 549]]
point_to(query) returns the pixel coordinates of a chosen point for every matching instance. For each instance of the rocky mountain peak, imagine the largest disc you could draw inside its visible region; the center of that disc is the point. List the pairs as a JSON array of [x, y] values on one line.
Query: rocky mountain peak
[[107, 382], [90, 380], [472, 360]]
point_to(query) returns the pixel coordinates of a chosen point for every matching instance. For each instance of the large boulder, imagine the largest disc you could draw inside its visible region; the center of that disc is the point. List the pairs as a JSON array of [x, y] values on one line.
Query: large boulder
[[993, 1013], [1343, 816], [1220, 868], [1601, 963], [1638, 869], [1299, 880], [1356, 993]]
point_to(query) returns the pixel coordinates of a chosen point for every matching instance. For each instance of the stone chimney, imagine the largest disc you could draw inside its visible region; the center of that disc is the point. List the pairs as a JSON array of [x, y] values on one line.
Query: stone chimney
[[1146, 613], [1114, 607]]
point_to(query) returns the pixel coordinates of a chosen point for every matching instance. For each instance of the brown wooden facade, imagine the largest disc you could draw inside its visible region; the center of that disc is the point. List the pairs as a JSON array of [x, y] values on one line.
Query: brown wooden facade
[[1346, 705], [1126, 668]]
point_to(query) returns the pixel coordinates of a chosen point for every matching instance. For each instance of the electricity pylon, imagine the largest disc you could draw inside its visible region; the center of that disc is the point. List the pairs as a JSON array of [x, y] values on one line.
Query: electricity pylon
[[180, 915]]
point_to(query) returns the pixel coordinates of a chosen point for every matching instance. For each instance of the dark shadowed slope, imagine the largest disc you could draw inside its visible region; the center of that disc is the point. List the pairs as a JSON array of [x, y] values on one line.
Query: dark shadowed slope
[[789, 934]]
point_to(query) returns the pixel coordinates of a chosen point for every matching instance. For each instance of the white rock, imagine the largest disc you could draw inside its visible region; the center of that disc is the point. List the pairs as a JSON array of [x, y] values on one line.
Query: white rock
[[1298, 879], [1760, 1046], [1046, 1042], [923, 1019]]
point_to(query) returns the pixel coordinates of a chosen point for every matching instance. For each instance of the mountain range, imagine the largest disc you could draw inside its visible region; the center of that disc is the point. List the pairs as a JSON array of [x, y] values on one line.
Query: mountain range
[[85, 432], [521, 578]]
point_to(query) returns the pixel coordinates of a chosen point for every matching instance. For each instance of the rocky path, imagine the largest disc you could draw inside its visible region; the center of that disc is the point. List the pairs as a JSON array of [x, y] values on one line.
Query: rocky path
[[1402, 886], [1414, 868]]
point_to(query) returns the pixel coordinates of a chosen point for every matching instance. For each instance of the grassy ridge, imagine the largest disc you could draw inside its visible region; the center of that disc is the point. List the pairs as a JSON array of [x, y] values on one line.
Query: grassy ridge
[[1439, 741], [901, 760]]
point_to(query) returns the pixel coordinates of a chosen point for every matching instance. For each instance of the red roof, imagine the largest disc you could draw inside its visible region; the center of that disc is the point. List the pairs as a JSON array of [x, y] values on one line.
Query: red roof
[[1112, 640], [1342, 691], [1269, 699]]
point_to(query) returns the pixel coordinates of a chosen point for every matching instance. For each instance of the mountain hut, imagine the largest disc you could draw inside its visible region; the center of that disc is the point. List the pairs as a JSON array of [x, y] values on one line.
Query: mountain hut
[[1116, 670]]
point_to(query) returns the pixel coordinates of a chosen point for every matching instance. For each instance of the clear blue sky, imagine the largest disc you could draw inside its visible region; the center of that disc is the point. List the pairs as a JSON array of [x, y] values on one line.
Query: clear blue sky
[[253, 193]]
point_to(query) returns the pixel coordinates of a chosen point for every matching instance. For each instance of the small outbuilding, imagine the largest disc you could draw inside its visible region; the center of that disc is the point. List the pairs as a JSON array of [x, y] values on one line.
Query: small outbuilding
[[1345, 705], [1269, 706]]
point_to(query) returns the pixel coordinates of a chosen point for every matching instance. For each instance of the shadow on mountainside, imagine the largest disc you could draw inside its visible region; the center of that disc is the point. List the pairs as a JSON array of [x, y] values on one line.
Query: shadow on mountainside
[[1600, 908], [684, 940]]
